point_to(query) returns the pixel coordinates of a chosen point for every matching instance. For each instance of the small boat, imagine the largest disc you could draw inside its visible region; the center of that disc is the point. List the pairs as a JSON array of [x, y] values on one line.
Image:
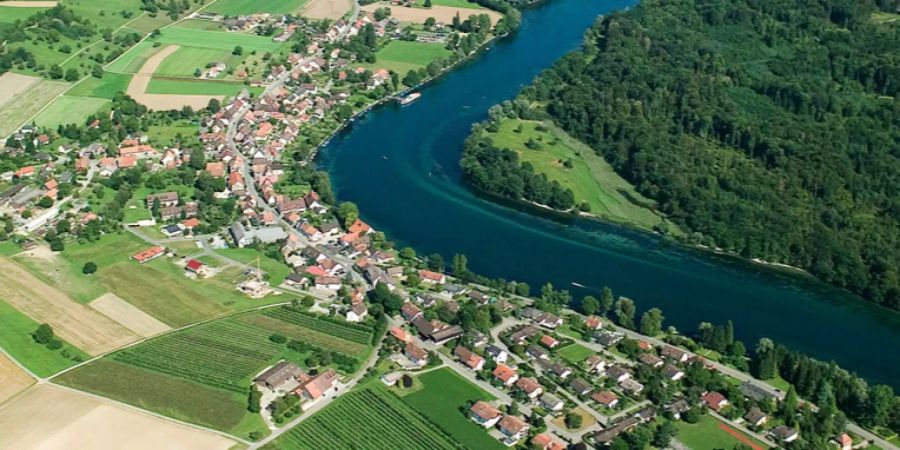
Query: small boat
[[578, 285], [407, 99]]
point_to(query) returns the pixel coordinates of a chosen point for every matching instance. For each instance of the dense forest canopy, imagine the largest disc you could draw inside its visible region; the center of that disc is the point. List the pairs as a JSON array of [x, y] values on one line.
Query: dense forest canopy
[[766, 127]]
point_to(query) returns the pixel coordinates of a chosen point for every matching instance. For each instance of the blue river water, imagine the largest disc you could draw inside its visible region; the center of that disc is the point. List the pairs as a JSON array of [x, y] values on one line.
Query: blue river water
[[400, 165]]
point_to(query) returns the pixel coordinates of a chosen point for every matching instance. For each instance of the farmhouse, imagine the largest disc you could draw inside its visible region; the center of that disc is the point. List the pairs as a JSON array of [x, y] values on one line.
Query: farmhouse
[[279, 375], [314, 388]]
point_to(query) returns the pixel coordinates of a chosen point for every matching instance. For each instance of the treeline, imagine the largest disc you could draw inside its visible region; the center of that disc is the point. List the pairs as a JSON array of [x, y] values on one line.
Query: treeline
[[766, 127]]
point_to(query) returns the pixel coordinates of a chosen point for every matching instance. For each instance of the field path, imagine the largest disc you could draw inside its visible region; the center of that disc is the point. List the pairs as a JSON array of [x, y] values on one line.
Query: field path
[[161, 102]]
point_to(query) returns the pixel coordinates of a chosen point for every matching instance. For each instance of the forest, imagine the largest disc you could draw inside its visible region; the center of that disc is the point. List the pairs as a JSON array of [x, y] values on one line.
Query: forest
[[768, 128]]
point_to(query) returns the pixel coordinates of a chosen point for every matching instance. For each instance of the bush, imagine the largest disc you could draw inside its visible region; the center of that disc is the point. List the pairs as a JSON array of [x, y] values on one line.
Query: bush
[[89, 268], [278, 338], [43, 334]]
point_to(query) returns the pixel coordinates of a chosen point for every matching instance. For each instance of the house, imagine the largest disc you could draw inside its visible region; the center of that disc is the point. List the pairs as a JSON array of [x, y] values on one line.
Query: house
[[328, 283], [496, 353], [549, 341], [513, 428], [608, 338], [617, 374], [507, 375], [469, 358], [548, 320], [580, 386], [755, 417], [530, 386], [416, 354], [193, 266], [593, 323], [315, 388], [755, 392], [536, 352], [557, 369], [267, 235], [547, 441], [278, 375], [148, 254], [429, 277], [359, 227], [714, 400], [166, 199], [844, 441], [551, 403], [391, 378], [437, 331], [606, 398], [410, 312], [484, 414], [678, 408], [190, 224], [523, 335], [605, 437], [296, 279], [632, 386], [401, 334], [674, 354], [595, 363], [651, 360], [171, 230], [672, 373], [784, 433], [216, 169], [357, 312]]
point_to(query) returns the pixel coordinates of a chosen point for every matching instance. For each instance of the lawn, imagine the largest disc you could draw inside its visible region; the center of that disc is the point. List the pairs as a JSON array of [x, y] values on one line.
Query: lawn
[[574, 353], [589, 176], [15, 338], [65, 110], [708, 435], [403, 56], [445, 392], [276, 270], [244, 7], [367, 418], [106, 87], [457, 4], [166, 135], [186, 60], [25, 105], [217, 40], [196, 87]]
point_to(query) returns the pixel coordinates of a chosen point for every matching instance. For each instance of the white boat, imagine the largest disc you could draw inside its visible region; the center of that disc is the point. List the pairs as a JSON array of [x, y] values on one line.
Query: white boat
[[407, 99]]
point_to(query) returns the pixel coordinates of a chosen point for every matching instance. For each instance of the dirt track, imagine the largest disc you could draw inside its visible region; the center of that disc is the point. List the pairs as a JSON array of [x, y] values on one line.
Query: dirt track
[[443, 14], [12, 379], [162, 102], [78, 324], [327, 9], [48, 417]]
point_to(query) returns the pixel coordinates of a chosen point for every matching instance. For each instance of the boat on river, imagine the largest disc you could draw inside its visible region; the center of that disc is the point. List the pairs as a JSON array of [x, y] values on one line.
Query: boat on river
[[407, 99]]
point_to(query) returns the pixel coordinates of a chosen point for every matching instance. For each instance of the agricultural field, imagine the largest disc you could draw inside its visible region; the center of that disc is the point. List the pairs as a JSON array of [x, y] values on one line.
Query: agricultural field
[[198, 24], [574, 353], [439, 12], [343, 337], [371, 414], [403, 56], [132, 60], [440, 400], [457, 4], [106, 87], [51, 417], [577, 167], [128, 316], [12, 84], [244, 7], [326, 9], [216, 40], [710, 434], [186, 60], [12, 379], [15, 338], [276, 270], [66, 109], [84, 327], [196, 87], [27, 103]]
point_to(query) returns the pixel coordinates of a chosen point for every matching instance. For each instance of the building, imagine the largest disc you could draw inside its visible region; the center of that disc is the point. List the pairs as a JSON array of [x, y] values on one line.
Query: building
[[651, 360], [243, 237], [357, 312], [507, 375], [674, 354], [149, 254], [580, 387], [278, 375], [328, 283], [530, 386], [166, 199], [606, 398], [194, 266], [496, 353], [429, 277], [416, 354], [315, 388], [549, 341], [547, 441], [617, 374], [755, 417], [784, 433], [714, 400], [484, 414], [469, 358], [410, 312], [551, 403], [513, 428]]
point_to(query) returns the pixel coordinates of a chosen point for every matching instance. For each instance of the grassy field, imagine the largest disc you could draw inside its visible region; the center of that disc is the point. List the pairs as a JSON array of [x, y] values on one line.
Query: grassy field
[[370, 417], [243, 7], [9, 248], [197, 24], [276, 270], [10, 14], [574, 353], [196, 87], [590, 178], [708, 435], [105, 12], [457, 4], [217, 40], [15, 338], [444, 393], [28, 103], [403, 56], [64, 275], [66, 109], [186, 60], [106, 87], [132, 60], [167, 134]]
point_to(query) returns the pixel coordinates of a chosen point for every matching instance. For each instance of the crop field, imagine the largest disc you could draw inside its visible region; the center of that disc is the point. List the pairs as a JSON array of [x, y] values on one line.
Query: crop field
[[106, 87], [574, 353], [11, 84], [458, 4], [132, 60], [403, 56], [444, 394], [27, 103], [217, 40], [195, 87], [128, 316], [333, 336], [185, 60], [57, 271], [244, 7], [15, 338], [590, 177], [65, 110], [368, 418], [439, 12], [12, 379], [223, 354], [199, 24], [326, 9]]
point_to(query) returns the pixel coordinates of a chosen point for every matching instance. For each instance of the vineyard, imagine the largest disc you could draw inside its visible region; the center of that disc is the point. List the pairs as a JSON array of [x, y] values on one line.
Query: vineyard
[[370, 418], [221, 354], [355, 333]]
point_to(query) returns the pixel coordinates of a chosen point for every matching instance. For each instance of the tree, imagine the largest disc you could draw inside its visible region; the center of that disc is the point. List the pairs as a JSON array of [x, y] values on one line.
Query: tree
[[197, 72], [97, 71], [625, 311], [430, 22], [606, 301], [880, 405], [63, 226], [590, 305], [198, 159], [789, 407], [460, 265], [407, 253], [72, 75], [213, 106], [651, 322], [664, 434], [43, 334], [89, 268], [278, 338], [55, 72], [57, 245], [238, 50], [45, 202], [427, 3], [348, 212], [573, 421], [312, 361], [253, 400]]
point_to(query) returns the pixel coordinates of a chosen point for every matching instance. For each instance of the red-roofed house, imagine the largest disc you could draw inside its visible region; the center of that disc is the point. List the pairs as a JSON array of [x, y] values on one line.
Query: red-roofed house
[[359, 227], [400, 334], [318, 386], [514, 428], [469, 358], [530, 386], [484, 414], [193, 266], [593, 323], [547, 441], [216, 169], [149, 254], [715, 401], [606, 398], [549, 341], [430, 277], [138, 151], [507, 375]]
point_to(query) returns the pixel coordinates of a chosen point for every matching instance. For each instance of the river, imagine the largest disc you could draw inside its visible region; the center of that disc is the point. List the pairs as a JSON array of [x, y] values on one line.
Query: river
[[400, 165]]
